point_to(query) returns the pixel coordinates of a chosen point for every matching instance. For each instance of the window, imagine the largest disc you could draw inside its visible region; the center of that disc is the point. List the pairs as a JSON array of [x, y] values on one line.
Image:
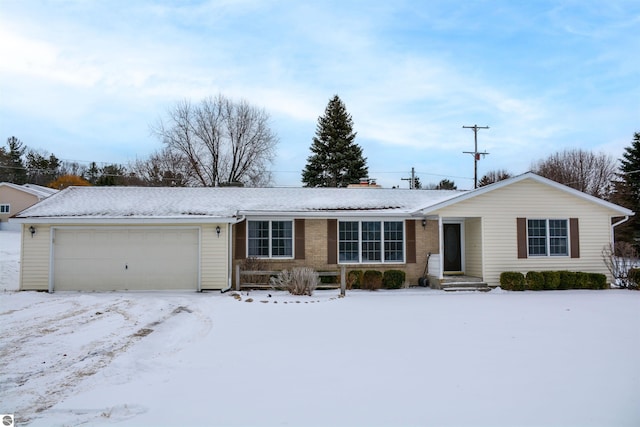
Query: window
[[548, 237], [370, 241], [4, 209], [270, 239]]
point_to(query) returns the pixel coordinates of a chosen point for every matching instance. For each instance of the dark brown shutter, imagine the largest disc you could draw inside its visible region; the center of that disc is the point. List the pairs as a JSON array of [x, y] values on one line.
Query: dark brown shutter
[[299, 230], [574, 232], [332, 241], [241, 240], [522, 237], [410, 227]]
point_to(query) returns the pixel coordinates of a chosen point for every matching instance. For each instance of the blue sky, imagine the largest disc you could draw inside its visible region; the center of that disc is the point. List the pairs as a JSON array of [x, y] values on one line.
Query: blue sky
[[85, 79]]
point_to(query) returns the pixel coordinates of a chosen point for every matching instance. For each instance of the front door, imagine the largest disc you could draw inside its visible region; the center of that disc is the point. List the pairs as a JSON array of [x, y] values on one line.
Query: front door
[[452, 248]]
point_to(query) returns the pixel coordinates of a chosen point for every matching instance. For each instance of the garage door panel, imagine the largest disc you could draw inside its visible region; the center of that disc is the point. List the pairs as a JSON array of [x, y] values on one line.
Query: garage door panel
[[120, 259]]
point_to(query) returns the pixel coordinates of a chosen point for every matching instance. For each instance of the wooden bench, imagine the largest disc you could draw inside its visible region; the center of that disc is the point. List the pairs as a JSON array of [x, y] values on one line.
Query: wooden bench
[[267, 274]]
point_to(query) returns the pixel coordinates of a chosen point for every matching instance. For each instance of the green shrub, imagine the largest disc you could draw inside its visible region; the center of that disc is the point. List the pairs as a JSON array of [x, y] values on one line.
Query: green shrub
[[582, 280], [354, 279], [551, 280], [567, 280], [512, 281], [534, 281], [393, 279], [372, 280], [598, 281], [634, 278], [330, 280]]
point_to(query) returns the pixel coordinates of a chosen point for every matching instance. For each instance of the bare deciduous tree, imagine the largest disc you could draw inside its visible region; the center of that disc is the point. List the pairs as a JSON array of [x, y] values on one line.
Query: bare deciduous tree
[[221, 141], [583, 170], [163, 168], [619, 259]]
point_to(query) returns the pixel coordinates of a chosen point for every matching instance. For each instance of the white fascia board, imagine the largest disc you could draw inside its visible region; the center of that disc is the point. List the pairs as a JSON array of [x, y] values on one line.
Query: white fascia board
[[124, 220]]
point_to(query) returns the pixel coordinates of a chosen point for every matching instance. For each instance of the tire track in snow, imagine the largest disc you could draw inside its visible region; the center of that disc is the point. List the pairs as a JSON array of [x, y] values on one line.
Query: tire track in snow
[[39, 385]]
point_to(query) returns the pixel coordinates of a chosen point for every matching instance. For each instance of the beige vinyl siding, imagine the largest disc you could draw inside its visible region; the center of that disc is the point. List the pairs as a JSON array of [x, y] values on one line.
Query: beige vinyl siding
[[530, 199], [473, 247], [34, 265], [18, 201], [214, 256]]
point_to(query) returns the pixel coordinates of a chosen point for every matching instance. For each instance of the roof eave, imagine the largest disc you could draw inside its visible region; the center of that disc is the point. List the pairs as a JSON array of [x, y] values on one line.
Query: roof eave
[[124, 220]]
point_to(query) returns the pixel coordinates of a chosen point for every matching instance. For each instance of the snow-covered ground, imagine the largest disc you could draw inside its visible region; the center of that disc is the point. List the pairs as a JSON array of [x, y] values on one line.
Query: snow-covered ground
[[412, 357]]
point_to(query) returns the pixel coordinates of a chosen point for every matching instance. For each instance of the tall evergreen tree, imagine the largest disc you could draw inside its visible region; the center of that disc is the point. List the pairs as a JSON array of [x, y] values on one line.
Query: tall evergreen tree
[[14, 164], [627, 191], [336, 160]]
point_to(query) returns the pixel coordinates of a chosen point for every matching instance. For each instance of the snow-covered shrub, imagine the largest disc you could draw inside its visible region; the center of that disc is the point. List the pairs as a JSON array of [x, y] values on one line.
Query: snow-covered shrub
[[619, 259], [354, 279], [634, 278], [393, 279], [534, 281], [298, 281], [372, 280], [512, 281]]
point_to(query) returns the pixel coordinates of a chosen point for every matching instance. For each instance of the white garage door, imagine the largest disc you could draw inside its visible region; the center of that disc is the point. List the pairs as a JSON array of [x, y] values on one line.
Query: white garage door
[[125, 258]]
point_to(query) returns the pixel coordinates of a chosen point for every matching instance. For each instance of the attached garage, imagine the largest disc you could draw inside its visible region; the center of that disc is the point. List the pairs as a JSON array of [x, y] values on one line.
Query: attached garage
[[130, 258]]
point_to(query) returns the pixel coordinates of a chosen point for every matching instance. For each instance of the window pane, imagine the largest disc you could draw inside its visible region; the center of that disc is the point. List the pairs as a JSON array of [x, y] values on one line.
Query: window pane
[[258, 238], [371, 241], [393, 241], [558, 237], [281, 238], [537, 230], [348, 241]]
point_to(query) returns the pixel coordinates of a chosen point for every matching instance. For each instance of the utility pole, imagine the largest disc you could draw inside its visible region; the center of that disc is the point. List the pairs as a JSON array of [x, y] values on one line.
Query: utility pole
[[412, 180], [475, 153]]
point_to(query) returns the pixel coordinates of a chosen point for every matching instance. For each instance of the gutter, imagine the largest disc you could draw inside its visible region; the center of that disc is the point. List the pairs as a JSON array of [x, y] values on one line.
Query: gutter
[[238, 219], [613, 226]]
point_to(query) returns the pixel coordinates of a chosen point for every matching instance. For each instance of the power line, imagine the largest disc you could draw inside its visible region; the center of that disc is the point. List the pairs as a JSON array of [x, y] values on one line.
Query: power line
[[476, 154]]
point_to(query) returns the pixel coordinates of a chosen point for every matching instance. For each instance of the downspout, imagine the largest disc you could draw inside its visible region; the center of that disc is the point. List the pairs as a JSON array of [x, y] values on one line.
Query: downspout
[[240, 218], [440, 248], [613, 226]]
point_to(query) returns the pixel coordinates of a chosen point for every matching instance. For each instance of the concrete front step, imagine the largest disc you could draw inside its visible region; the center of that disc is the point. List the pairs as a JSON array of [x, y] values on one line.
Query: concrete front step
[[465, 286]]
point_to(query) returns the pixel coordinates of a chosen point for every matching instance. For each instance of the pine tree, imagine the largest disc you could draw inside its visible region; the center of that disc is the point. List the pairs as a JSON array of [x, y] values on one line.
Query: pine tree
[[336, 160], [17, 173], [627, 191]]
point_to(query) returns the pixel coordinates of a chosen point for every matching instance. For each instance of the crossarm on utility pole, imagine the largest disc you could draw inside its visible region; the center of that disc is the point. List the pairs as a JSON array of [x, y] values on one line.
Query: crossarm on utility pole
[[475, 152]]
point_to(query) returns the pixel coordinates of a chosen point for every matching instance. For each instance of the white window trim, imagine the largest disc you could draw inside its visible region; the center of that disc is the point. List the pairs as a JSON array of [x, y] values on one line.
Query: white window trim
[[382, 241], [272, 220], [8, 208], [548, 253]]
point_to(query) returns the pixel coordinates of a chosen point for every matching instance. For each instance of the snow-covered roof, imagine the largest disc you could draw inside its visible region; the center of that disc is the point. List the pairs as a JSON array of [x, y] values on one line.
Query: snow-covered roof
[[44, 191], [230, 202], [36, 190]]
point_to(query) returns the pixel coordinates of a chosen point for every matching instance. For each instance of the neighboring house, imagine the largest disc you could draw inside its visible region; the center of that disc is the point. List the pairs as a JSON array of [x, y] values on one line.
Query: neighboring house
[[114, 238], [15, 198]]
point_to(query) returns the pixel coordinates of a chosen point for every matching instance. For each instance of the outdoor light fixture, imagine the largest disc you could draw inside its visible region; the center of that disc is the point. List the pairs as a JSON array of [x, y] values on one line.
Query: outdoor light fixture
[[32, 230], [424, 223], [218, 230]]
